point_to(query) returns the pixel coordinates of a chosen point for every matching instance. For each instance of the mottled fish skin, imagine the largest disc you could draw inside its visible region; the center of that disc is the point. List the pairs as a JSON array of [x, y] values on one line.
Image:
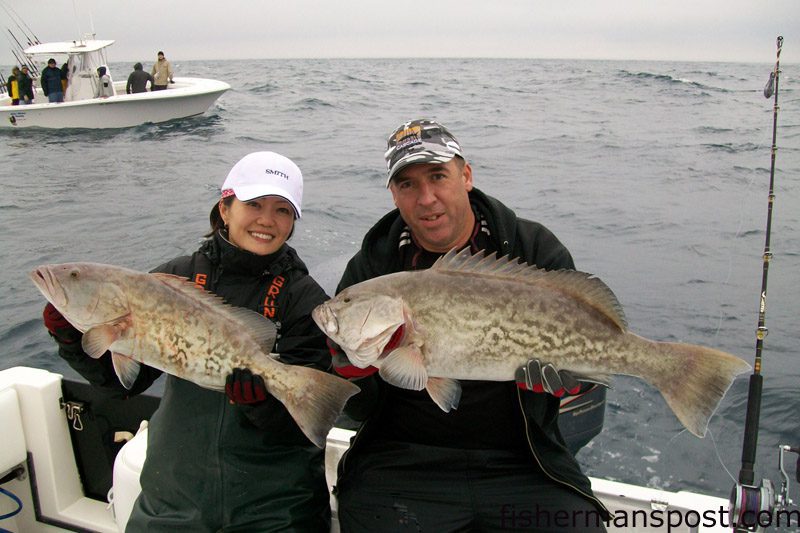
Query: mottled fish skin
[[479, 318], [166, 322]]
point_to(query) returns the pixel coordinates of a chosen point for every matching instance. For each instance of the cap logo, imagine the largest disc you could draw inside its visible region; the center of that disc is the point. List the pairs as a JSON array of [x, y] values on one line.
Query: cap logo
[[277, 173], [407, 137]]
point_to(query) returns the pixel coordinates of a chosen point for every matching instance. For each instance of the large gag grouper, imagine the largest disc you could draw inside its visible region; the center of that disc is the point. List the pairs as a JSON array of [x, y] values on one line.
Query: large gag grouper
[[168, 323], [480, 318]]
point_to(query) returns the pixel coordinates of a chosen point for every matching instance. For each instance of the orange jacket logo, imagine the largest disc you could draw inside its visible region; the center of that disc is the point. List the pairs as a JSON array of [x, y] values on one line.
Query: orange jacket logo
[[272, 295]]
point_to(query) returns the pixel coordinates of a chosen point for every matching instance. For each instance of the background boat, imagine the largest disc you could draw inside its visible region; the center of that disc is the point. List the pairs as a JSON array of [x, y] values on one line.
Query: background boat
[[81, 108]]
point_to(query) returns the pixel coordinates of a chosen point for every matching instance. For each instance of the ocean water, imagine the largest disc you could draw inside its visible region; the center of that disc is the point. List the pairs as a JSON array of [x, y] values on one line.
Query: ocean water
[[654, 174]]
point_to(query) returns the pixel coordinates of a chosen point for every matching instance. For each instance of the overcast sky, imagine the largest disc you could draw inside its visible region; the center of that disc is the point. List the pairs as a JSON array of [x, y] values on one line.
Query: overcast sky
[[701, 30]]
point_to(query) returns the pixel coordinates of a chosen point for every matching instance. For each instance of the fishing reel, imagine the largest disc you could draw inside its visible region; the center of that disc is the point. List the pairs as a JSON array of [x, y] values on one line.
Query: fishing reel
[[753, 508]]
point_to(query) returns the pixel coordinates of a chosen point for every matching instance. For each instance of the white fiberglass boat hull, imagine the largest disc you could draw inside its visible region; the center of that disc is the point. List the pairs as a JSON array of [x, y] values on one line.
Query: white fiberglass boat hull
[[185, 98], [35, 432]]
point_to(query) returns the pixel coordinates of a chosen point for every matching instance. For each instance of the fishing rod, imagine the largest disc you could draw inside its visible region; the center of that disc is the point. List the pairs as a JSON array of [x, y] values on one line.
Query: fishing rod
[[25, 61], [751, 503], [17, 19], [19, 54]]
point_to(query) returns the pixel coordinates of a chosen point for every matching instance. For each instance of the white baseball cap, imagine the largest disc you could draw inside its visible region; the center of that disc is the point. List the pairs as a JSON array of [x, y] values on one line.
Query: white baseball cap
[[265, 174]]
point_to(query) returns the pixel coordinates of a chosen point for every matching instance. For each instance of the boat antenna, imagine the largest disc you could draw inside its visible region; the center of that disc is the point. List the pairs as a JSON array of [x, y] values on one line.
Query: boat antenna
[[748, 501], [77, 24]]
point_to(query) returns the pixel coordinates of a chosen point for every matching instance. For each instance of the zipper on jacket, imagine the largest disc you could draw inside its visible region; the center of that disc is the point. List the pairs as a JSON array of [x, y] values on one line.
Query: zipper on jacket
[[539, 462], [219, 458], [342, 461]]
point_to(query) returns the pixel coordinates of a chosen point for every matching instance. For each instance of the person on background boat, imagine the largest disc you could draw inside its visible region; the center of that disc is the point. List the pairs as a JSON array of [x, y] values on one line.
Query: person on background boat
[[497, 462], [235, 461], [25, 81], [12, 84], [162, 73], [64, 77], [137, 80], [51, 82], [105, 87]]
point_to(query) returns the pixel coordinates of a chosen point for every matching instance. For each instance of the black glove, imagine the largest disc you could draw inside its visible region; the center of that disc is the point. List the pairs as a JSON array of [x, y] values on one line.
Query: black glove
[[59, 327], [242, 387], [535, 377]]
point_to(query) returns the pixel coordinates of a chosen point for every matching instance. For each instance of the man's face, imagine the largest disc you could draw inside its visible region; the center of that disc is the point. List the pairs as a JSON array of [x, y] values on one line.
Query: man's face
[[433, 201]]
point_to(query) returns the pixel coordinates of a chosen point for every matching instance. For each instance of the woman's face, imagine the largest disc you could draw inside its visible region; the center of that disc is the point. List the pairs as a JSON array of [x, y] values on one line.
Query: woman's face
[[260, 226]]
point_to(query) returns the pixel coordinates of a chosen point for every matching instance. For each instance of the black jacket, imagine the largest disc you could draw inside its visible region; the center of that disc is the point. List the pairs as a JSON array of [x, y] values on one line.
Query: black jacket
[[137, 82], [512, 236], [25, 86], [203, 450], [51, 80]]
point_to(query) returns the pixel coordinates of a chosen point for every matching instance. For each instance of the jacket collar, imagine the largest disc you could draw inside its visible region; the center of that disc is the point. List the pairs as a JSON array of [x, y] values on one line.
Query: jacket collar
[[231, 258], [379, 246]]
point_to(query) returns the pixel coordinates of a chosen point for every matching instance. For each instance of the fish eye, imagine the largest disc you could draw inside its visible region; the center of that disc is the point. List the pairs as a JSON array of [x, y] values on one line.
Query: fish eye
[[346, 300], [73, 273]]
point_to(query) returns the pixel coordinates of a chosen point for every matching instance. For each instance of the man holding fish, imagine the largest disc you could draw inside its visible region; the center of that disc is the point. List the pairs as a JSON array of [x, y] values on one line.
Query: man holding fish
[[497, 460]]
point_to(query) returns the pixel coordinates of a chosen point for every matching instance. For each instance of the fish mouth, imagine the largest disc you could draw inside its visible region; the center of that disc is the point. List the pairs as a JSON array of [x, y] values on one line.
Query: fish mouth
[[325, 319], [48, 285]]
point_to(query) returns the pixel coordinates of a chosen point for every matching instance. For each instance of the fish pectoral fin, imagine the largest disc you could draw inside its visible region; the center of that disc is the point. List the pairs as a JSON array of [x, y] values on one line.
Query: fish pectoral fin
[[97, 340], [445, 392], [597, 379], [126, 368], [405, 368]]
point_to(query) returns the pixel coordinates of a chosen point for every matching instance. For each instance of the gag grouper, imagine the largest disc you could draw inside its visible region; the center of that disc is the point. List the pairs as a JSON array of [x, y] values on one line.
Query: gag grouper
[[168, 323], [480, 318]]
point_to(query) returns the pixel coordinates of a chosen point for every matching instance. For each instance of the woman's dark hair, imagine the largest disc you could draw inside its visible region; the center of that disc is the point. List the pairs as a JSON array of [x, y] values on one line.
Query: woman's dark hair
[[215, 218]]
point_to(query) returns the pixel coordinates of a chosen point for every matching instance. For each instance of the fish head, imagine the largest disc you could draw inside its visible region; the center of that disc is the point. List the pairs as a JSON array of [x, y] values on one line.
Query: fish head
[[85, 293], [361, 323]]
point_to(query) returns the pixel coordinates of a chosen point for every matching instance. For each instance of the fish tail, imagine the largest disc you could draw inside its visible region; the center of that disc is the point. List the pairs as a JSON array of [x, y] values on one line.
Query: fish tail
[[317, 402], [694, 381]]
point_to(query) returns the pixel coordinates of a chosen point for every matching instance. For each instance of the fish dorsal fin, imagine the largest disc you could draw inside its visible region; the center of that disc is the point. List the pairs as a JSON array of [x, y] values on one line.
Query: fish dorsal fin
[[579, 285], [261, 329]]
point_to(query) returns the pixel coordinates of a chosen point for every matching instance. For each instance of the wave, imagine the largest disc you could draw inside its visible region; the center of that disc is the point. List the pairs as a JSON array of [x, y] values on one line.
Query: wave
[[712, 129], [669, 80], [263, 88], [732, 148], [350, 77], [312, 103]]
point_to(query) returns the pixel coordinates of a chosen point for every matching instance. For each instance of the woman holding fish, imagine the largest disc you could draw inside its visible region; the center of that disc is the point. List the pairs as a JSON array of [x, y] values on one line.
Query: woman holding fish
[[240, 460]]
